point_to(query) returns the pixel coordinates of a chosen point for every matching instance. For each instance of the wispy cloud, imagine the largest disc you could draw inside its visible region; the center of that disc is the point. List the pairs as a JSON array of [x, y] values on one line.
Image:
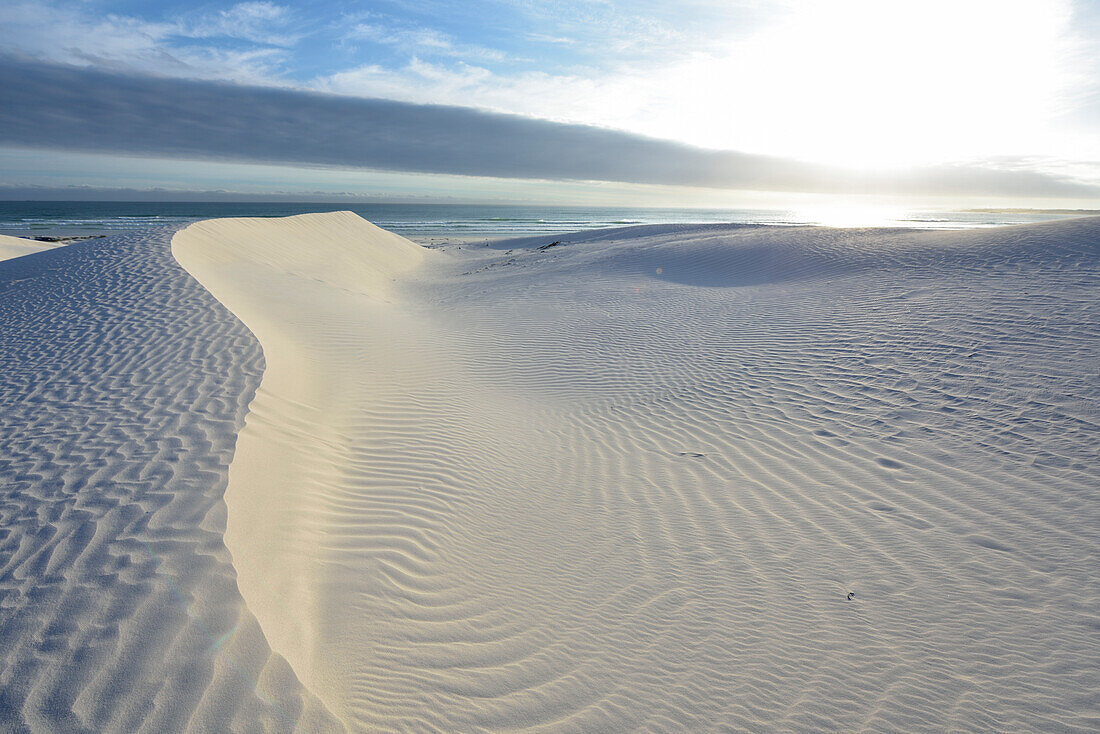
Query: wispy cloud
[[259, 22], [544, 38], [82, 109], [176, 47], [421, 40], [614, 102]]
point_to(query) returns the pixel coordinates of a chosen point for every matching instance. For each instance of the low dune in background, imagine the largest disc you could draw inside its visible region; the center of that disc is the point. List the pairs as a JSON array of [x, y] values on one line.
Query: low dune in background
[[17, 246], [304, 475], [629, 479]]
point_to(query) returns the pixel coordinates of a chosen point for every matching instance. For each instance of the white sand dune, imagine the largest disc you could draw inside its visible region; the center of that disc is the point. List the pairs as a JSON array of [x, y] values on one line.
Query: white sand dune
[[308, 287], [123, 384], [625, 482], [18, 247], [628, 482]]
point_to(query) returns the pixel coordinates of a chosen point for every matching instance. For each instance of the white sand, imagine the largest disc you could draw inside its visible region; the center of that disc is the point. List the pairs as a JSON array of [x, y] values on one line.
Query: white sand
[[123, 384], [17, 246], [307, 286], [627, 482], [623, 483]]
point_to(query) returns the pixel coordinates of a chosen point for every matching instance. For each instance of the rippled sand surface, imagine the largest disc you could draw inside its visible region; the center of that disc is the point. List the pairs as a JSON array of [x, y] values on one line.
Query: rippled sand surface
[[123, 384], [629, 481], [666, 478]]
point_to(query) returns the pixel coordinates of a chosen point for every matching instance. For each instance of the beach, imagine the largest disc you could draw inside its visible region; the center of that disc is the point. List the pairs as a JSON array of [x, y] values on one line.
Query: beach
[[305, 474]]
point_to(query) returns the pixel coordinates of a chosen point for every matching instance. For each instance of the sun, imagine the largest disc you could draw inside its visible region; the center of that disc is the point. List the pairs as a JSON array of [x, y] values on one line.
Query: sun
[[880, 84]]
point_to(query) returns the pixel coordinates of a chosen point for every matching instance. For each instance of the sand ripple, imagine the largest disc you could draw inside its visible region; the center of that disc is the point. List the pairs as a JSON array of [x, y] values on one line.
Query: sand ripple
[[629, 482], [123, 384]]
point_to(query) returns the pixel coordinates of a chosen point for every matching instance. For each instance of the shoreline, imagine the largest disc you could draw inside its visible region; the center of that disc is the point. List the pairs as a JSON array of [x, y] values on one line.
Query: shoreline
[[439, 224]]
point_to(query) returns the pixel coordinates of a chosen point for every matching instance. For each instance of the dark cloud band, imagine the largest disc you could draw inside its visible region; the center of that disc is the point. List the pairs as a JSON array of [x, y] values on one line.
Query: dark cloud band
[[62, 107]]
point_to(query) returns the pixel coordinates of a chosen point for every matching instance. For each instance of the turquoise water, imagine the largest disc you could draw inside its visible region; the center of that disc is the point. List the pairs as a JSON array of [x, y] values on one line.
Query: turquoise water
[[440, 222]]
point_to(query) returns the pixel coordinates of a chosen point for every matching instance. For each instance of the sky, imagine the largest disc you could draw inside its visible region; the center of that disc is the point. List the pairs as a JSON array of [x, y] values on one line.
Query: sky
[[704, 102]]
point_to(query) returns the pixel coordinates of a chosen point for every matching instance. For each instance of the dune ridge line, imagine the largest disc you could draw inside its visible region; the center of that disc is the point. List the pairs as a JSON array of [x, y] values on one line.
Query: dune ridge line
[[123, 384], [292, 280], [672, 478]]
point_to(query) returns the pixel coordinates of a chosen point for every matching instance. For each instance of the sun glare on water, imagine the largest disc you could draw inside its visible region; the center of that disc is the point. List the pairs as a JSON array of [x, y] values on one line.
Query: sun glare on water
[[851, 215]]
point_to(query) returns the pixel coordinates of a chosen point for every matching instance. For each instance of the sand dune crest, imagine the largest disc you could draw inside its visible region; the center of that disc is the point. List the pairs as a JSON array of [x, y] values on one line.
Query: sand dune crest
[[304, 285], [628, 482], [123, 384]]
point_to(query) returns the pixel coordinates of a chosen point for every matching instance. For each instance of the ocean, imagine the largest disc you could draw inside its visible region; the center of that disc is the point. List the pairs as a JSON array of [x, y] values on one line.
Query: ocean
[[438, 223]]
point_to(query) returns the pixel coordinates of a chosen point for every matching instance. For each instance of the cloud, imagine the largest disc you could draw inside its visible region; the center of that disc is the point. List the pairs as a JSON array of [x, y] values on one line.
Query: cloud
[[852, 82], [616, 101], [259, 22], [244, 43], [427, 41], [103, 193], [60, 107], [544, 38]]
